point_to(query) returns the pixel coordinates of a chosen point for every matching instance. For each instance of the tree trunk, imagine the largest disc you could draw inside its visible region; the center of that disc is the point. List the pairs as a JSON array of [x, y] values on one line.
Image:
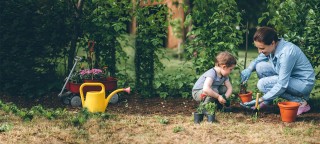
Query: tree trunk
[[76, 34]]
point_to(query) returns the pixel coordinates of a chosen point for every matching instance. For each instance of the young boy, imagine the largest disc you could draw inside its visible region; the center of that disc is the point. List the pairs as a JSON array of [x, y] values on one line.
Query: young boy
[[214, 83]]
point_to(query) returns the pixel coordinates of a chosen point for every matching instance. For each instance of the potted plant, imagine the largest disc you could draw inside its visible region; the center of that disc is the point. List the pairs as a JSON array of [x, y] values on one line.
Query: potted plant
[[198, 115], [245, 95], [76, 78], [274, 106], [211, 110], [89, 75]]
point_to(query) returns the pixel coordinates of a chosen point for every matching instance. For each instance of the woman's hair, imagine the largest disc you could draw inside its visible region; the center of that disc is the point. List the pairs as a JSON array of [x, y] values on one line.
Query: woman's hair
[[265, 35], [225, 58]]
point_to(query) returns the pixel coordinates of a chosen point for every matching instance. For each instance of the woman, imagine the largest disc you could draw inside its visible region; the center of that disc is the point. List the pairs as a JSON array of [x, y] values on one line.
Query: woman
[[283, 70]]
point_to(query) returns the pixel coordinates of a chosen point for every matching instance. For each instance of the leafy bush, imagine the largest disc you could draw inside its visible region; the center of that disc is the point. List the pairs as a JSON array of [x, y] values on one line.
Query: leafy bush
[[33, 34], [151, 31], [179, 83], [213, 30], [105, 23]]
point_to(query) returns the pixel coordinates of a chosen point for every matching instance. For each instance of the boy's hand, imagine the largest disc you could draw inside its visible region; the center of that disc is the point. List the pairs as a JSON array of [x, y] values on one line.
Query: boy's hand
[[221, 99], [227, 104]]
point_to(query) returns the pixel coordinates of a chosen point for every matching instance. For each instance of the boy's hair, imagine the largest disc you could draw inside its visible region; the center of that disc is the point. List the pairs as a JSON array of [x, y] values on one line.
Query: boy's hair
[[225, 58], [265, 35]]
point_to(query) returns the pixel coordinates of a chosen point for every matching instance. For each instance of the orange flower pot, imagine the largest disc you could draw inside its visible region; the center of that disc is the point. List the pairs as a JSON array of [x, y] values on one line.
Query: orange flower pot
[[246, 97], [288, 111]]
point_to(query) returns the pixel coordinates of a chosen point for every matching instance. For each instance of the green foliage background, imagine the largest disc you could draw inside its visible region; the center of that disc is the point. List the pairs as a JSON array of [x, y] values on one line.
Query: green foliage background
[[107, 21], [33, 34], [38, 39], [213, 30], [151, 33]]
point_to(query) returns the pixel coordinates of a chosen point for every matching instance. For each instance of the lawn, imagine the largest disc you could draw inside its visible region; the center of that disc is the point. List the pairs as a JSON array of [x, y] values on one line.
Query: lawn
[[153, 128]]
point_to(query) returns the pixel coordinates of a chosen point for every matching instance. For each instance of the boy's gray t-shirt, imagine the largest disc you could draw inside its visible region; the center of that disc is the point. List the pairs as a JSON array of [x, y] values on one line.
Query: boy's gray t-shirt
[[217, 81]]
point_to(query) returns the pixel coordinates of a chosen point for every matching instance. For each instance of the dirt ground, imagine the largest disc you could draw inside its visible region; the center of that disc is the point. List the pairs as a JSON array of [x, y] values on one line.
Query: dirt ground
[[157, 120], [133, 104], [181, 106]]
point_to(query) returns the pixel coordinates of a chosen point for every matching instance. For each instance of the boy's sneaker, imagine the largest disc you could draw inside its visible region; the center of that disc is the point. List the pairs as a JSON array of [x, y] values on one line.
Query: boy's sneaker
[[303, 109]]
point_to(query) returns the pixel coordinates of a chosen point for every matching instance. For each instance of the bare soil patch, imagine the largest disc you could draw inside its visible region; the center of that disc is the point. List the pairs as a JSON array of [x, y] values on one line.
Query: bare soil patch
[[135, 105]]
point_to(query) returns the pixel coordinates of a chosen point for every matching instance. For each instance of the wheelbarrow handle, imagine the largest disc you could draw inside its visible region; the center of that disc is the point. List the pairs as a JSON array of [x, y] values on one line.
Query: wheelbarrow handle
[[77, 58]]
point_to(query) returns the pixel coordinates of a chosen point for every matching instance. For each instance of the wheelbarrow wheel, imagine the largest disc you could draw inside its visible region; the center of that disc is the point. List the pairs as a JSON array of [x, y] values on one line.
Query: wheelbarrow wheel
[[114, 99], [75, 101], [66, 100]]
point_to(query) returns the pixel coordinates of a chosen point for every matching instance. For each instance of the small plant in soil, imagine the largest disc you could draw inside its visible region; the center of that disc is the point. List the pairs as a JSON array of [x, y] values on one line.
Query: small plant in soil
[[164, 121], [244, 95], [200, 108], [211, 108], [277, 100], [177, 129], [254, 117], [243, 88], [5, 127], [198, 115]]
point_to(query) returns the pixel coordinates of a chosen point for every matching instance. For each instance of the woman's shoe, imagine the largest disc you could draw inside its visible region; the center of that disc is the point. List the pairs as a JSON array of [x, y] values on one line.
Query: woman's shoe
[[303, 109]]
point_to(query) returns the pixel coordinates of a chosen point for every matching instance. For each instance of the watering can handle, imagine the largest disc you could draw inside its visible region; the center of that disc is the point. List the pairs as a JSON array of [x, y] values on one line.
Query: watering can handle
[[89, 84]]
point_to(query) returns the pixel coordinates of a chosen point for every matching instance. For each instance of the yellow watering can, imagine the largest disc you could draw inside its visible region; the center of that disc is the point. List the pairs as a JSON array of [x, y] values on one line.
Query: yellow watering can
[[95, 101]]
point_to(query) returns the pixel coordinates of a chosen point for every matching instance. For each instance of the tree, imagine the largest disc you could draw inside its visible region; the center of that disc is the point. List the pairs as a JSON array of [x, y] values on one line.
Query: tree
[[33, 34]]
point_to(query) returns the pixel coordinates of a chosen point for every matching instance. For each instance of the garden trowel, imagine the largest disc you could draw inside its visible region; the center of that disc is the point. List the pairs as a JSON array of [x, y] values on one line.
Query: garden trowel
[[257, 106]]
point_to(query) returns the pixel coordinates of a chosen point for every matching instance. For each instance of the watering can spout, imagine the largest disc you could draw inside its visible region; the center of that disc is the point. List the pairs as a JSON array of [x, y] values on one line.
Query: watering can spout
[[127, 90], [114, 92]]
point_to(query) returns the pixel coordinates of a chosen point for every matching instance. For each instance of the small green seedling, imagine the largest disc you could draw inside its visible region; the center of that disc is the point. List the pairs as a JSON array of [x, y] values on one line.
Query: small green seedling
[[177, 129], [211, 108], [200, 108]]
